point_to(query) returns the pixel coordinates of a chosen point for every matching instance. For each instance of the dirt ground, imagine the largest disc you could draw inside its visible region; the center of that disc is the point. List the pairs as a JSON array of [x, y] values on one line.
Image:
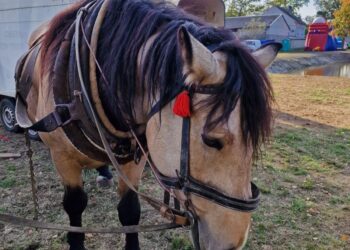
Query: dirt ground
[[304, 176], [16, 199]]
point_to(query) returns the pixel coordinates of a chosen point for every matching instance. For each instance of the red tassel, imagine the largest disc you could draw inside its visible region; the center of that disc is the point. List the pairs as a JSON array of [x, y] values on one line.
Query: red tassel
[[182, 105]]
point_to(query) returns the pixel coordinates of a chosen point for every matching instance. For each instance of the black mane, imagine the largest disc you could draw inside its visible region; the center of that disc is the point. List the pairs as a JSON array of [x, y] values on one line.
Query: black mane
[[130, 23]]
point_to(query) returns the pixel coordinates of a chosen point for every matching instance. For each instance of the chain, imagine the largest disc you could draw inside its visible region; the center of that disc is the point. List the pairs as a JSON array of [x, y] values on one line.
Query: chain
[[32, 175]]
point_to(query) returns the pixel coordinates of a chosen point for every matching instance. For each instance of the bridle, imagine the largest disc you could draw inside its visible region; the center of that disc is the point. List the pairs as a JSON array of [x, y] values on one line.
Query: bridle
[[189, 185], [184, 181]]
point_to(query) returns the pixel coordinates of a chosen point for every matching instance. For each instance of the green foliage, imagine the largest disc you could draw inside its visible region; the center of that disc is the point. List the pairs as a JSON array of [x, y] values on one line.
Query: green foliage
[[309, 19], [255, 29], [326, 8], [342, 19], [242, 7]]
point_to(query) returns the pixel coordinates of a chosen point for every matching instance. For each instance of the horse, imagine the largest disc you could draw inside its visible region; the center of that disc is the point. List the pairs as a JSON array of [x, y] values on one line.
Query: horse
[[136, 58]]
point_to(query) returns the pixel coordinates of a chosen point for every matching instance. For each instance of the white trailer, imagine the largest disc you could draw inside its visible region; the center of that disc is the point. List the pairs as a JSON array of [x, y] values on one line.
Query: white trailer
[[18, 18]]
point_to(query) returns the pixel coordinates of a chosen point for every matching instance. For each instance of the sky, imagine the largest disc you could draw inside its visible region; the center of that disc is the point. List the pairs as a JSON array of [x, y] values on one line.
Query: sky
[[308, 10]]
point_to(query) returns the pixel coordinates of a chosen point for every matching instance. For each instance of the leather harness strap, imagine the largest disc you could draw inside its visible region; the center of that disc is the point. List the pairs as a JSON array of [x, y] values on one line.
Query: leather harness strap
[[24, 71], [93, 75]]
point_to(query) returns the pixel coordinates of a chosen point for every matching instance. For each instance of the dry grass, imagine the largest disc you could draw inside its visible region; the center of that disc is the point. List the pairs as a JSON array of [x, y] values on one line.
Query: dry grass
[[325, 100], [304, 54]]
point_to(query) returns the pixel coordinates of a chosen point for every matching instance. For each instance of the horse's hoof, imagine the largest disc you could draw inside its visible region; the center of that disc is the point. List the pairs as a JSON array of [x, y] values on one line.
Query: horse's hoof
[[104, 182]]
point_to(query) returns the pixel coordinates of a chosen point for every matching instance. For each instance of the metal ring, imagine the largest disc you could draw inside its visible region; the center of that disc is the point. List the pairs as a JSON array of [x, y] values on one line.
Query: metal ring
[[191, 218]]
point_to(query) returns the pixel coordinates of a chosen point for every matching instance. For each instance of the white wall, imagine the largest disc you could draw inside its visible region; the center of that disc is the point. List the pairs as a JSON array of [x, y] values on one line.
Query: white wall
[[297, 43], [18, 18], [278, 28], [297, 30]]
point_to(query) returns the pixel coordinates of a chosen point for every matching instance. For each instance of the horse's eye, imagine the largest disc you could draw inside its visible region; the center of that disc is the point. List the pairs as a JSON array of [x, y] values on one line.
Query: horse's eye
[[212, 142]]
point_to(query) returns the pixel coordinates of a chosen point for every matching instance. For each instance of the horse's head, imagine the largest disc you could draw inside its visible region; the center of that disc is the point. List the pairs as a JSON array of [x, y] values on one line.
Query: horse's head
[[227, 128]]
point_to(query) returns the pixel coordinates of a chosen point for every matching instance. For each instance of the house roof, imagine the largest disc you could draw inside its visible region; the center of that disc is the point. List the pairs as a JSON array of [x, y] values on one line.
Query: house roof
[[291, 14], [242, 21]]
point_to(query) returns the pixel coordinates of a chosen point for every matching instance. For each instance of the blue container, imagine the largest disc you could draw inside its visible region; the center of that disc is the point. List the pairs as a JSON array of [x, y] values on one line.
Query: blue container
[[286, 45], [263, 42]]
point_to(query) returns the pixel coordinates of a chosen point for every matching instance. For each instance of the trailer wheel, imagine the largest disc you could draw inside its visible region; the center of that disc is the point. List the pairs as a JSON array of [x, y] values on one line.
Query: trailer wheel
[[7, 115], [34, 135]]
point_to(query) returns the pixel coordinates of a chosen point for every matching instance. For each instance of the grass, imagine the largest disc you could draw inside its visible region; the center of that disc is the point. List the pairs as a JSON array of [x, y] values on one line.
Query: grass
[[305, 195], [347, 91], [298, 206], [181, 243], [305, 149], [308, 184], [8, 182]]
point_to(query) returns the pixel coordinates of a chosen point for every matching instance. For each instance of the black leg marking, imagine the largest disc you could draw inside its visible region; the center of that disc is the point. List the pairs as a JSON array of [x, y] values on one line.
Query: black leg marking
[[104, 171], [129, 211], [74, 203]]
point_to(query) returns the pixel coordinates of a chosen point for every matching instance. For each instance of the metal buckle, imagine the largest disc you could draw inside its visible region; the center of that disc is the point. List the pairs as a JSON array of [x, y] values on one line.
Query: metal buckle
[[191, 218]]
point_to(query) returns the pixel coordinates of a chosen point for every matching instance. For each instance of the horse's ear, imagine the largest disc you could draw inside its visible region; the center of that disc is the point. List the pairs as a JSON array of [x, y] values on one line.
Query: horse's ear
[[199, 64], [266, 54]]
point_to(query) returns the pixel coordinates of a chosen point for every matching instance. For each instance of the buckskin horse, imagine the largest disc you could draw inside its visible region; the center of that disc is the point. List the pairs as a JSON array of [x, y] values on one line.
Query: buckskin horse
[[150, 77]]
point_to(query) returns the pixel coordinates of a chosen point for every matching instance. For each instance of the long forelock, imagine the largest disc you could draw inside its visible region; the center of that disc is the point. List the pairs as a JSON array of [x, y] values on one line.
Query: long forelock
[[126, 28], [246, 81]]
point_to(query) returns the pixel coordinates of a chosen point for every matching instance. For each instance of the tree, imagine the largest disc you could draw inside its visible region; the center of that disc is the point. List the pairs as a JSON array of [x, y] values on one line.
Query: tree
[[242, 7], [309, 19], [293, 5], [342, 19], [255, 29], [326, 8]]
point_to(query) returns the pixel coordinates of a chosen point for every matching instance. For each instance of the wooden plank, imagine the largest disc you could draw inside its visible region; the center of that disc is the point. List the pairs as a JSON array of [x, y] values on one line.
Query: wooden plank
[[9, 155]]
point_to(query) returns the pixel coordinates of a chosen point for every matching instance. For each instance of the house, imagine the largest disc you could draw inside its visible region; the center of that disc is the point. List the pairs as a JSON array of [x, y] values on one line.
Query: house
[[262, 27], [296, 26]]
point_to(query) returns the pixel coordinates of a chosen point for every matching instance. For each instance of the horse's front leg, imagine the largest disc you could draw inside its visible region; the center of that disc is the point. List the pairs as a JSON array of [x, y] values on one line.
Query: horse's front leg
[[129, 209], [74, 199]]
